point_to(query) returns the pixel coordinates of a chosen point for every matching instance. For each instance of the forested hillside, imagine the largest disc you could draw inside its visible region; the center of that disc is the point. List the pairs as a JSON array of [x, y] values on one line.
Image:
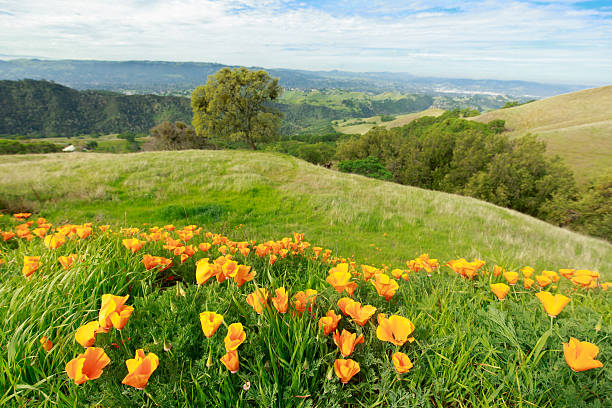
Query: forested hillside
[[44, 108]]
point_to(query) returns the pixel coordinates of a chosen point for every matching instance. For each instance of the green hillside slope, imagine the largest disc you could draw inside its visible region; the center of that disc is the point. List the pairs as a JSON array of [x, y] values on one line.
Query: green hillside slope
[[577, 126], [265, 195]]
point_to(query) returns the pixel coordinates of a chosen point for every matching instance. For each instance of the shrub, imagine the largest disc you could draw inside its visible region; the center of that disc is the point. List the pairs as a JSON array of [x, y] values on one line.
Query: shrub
[[176, 136], [369, 166]]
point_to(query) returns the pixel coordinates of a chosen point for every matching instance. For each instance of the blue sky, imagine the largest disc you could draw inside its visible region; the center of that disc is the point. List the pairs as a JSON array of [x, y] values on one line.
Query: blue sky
[[563, 41]]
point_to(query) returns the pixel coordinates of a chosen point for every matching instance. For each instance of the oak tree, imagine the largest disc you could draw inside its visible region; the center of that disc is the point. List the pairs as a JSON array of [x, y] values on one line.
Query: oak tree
[[235, 104]]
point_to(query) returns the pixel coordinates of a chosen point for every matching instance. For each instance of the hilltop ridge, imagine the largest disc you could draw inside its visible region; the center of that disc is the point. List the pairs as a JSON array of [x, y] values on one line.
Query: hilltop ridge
[[577, 126]]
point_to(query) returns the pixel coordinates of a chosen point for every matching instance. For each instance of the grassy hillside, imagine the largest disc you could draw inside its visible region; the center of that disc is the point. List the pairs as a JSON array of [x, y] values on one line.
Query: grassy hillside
[[577, 126], [417, 333], [272, 194], [363, 125]]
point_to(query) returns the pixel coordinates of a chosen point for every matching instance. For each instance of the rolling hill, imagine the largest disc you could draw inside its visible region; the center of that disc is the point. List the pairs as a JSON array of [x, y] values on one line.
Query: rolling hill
[[262, 195], [363, 125], [576, 126]]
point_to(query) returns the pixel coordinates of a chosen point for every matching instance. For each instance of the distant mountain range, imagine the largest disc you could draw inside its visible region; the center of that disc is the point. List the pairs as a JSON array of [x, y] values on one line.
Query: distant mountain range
[[163, 77]]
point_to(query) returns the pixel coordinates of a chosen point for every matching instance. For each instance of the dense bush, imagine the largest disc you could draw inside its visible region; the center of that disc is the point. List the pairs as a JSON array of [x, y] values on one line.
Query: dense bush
[[15, 147], [592, 212], [369, 166], [455, 155], [176, 136], [316, 153]]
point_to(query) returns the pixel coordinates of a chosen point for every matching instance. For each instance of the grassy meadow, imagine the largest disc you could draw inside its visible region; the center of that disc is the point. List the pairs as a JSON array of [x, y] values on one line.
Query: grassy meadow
[[469, 348], [355, 126], [576, 126], [273, 194]]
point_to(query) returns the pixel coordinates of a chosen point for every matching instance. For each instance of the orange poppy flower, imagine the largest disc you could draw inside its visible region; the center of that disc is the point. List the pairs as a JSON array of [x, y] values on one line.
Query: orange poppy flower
[[304, 300], [359, 314], [151, 262], [87, 366], [528, 283], [22, 216], [343, 303], [345, 369], [40, 232], [210, 322], [464, 268], [347, 341], [527, 271], [511, 277], [114, 312], [273, 259], [553, 304], [329, 322], [339, 277], [317, 251], [397, 273], [185, 235], [46, 344], [67, 261], [54, 241], [243, 274], [172, 244], [235, 337], [369, 272], [83, 231], [281, 300], [230, 361], [204, 246], [185, 252], [133, 244], [169, 227], [204, 271], [385, 286], [396, 329], [567, 273], [140, 369], [6, 235], [500, 290], [552, 275], [258, 300], [401, 362], [580, 355], [582, 280], [497, 270], [30, 265], [86, 334], [543, 281]]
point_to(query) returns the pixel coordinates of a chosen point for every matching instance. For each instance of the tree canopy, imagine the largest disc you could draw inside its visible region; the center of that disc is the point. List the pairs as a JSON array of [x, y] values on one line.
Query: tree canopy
[[235, 104]]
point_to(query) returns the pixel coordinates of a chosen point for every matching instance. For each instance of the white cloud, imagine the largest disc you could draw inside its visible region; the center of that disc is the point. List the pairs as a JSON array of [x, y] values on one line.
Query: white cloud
[[497, 39]]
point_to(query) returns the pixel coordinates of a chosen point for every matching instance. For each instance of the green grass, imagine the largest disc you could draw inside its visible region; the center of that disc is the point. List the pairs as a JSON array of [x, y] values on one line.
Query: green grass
[[273, 194], [470, 349], [576, 126]]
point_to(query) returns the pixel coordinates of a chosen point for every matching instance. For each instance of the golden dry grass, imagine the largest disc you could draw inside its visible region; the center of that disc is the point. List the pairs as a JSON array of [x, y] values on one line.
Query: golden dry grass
[[577, 126]]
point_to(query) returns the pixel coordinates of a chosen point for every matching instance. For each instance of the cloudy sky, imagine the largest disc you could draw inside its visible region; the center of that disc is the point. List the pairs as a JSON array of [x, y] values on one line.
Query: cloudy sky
[[564, 41]]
